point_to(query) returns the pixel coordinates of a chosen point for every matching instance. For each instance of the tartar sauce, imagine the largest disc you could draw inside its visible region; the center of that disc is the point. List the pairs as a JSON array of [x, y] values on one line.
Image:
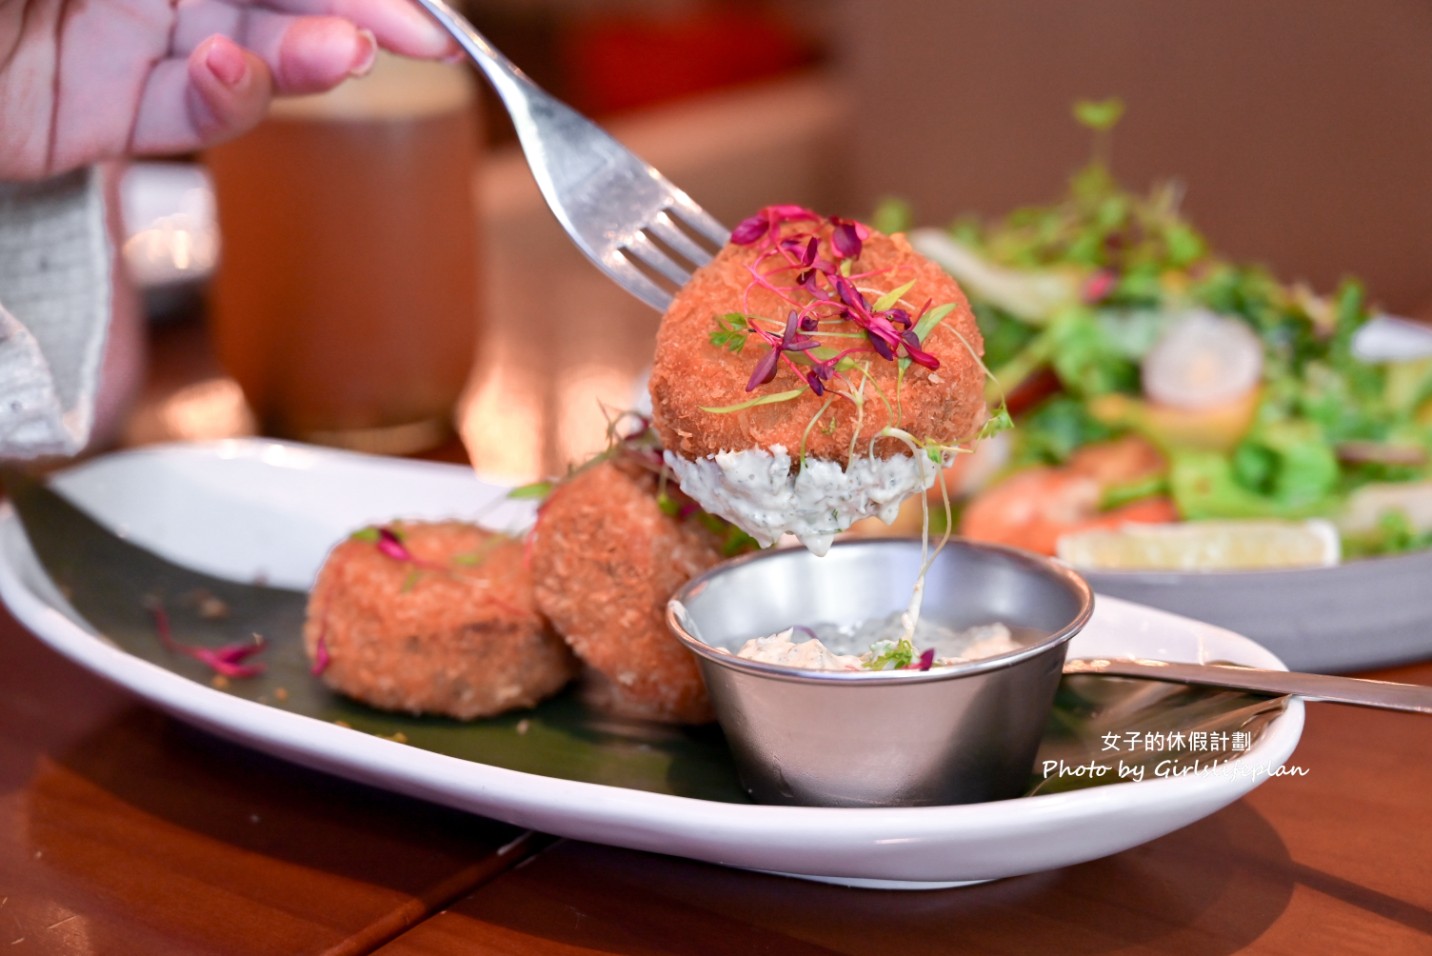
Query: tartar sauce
[[760, 491], [855, 647]]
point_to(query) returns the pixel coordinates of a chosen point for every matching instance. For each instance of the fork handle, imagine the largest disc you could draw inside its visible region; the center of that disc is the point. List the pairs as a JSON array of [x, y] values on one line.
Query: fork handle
[[1343, 690], [511, 83]]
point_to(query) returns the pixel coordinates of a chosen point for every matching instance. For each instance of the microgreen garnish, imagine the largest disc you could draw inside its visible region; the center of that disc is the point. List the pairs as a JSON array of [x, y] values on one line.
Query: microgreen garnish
[[996, 423], [930, 318], [535, 489], [731, 335], [390, 545], [892, 298], [389, 542], [812, 264], [891, 655], [227, 660], [752, 403], [1100, 115]]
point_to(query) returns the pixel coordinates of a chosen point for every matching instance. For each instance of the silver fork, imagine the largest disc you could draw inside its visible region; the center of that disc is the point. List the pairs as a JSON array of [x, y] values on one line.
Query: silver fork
[[630, 220]]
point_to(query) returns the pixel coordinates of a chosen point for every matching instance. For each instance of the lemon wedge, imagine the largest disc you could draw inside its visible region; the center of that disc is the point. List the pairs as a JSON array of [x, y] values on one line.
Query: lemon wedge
[[1204, 546]]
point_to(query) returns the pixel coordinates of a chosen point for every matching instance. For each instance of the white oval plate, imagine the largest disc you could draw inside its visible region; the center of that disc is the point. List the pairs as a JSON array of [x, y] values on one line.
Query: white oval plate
[[244, 508]]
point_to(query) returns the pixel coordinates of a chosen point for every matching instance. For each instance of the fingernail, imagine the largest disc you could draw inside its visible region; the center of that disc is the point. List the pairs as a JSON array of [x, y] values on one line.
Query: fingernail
[[367, 54], [226, 61]]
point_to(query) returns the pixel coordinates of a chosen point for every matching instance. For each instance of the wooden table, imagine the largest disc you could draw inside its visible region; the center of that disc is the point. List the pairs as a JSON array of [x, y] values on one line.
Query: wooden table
[[123, 831]]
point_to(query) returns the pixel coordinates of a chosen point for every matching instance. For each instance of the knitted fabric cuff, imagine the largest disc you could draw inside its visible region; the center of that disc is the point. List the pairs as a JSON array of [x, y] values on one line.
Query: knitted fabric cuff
[[54, 310]]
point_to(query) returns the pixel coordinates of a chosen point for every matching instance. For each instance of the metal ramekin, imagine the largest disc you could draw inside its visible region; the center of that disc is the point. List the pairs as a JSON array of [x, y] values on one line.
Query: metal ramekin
[[960, 734]]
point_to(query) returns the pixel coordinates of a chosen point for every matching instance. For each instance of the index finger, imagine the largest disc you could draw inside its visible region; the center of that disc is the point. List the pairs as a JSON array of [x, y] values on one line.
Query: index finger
[[399, 25]]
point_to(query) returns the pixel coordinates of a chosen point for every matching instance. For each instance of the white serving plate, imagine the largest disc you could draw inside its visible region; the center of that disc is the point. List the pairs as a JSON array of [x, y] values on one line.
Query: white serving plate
[[246, 508]]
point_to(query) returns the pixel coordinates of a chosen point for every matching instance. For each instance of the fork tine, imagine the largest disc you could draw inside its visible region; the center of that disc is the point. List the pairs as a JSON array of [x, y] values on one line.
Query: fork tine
[[701, 222], [647, 253], [664, 229], [626, 274]]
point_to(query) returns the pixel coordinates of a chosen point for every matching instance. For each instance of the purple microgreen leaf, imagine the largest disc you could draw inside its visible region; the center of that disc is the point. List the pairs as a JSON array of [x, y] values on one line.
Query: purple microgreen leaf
[[794, 246], [927, 660], [789, 212], [750, 230], [809, 323], [391, 545], [911, 344], [882, 347], [846, 239], [791, 339], [813, 378], [851, 296], [765, 369], [227, 660], [809, 281]]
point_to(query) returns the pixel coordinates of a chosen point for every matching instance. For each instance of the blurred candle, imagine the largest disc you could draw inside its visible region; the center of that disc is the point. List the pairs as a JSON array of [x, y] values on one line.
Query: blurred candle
[[346, 298]]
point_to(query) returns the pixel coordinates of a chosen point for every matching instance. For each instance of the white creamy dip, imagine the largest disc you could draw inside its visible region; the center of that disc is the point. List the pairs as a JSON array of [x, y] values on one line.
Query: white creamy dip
[[854, 647], [811, 655], [760, 492]]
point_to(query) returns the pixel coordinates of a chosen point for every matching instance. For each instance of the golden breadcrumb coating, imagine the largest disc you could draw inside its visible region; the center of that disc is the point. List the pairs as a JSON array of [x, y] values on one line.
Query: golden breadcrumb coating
[[454, 630], [606, 559], [690, 373]]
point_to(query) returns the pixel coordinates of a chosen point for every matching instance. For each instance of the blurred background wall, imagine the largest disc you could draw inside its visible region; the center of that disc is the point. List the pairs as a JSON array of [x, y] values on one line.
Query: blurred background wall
[[1302, 129]]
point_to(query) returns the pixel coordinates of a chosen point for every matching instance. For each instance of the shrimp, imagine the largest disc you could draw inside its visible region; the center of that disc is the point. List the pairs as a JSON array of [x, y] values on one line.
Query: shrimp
[[1034, 508]]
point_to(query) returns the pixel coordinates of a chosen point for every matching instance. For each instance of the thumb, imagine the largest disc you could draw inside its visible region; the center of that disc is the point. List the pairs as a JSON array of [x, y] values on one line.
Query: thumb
[[229, 90]]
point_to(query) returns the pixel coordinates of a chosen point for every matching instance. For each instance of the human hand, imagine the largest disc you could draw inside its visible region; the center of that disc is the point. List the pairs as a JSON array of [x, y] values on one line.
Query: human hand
[[81, 82]]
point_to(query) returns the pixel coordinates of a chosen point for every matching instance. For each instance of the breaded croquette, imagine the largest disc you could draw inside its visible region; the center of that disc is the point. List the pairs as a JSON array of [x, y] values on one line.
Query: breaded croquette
[[803, 375], [433, 618], [606, 556]]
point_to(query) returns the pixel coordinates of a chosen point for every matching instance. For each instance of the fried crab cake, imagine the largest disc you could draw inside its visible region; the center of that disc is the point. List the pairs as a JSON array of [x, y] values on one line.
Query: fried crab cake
[[433, 618], [814, 373], [606, 558]]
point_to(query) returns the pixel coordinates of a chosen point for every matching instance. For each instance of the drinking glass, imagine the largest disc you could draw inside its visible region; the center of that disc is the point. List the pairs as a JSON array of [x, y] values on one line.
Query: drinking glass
[[345, 303]]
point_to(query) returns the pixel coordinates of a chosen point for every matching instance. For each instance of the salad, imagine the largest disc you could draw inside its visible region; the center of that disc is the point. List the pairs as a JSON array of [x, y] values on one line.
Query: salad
[[1155, 383]]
